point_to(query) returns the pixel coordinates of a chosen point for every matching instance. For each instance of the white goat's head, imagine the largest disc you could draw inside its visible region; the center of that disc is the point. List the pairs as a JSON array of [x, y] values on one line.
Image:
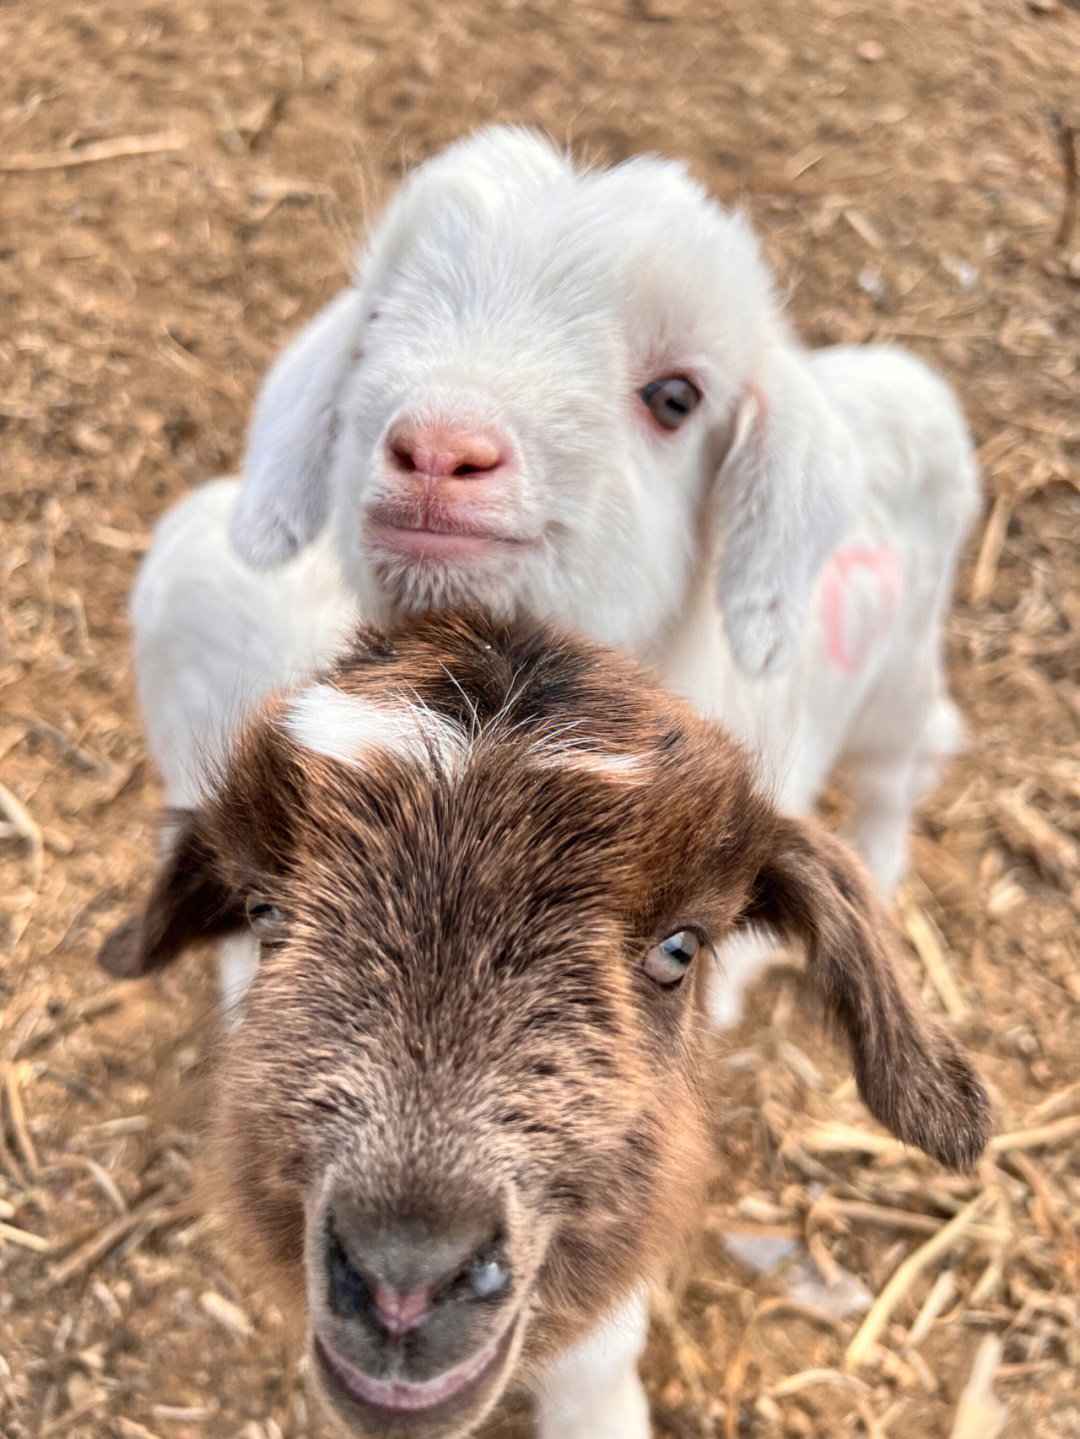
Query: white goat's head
[[557, 391]]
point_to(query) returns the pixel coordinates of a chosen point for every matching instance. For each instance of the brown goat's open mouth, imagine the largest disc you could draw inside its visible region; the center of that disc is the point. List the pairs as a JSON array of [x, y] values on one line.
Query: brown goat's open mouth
[[380, 1403]]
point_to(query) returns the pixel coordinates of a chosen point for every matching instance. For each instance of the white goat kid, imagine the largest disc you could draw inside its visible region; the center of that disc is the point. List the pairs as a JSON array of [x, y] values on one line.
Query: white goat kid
[[571, 393]]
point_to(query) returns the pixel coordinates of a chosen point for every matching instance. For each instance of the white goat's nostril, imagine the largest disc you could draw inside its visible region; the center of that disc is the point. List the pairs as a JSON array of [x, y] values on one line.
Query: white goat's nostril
[[403, 457], [444, 451]]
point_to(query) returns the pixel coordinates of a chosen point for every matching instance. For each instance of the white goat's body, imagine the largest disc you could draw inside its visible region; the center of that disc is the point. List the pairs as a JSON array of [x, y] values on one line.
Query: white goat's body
[[864, 687], [212, 635]]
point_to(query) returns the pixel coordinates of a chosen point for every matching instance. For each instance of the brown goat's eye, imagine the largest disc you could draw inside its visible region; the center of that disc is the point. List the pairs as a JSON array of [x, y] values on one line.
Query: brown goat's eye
[[671, 400], [266, 920], [669, 961]]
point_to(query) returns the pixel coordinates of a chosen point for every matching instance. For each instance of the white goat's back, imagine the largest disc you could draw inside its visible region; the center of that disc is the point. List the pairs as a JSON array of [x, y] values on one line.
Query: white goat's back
[[212, 634]]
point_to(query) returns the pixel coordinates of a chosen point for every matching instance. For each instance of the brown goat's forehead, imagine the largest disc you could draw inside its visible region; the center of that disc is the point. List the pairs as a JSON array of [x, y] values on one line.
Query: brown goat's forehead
[[474, 669], [482, 837], [462, 755]]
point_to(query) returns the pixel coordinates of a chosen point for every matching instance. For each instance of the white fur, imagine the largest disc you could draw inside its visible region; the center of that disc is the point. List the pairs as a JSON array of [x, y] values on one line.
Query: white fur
[[507, 290], [592, 1391], [349, 727], [622, 768], [238, 958], [211, 636]]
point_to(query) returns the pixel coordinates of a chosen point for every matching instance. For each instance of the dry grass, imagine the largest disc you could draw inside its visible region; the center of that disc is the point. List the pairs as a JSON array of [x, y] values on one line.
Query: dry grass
[[180, 185]]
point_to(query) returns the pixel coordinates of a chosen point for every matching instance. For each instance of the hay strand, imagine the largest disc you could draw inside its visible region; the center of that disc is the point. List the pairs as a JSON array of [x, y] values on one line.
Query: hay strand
[[859, 1349]]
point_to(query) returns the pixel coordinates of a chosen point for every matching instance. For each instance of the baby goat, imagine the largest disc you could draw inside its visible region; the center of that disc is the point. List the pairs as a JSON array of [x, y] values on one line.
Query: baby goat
[[465, 1108], [571, 394]]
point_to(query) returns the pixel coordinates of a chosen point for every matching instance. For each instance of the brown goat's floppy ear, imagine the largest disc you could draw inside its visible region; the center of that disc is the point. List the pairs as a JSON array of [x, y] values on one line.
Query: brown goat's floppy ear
[[911, 1074], [783, 485], [188, 901]]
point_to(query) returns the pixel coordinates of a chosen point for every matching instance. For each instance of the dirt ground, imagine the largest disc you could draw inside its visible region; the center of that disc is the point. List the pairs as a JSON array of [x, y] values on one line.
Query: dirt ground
[[181, 184]]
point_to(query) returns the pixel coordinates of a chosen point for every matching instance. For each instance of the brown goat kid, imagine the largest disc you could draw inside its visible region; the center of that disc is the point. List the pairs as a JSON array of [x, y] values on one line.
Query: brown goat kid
[[464, 1106]]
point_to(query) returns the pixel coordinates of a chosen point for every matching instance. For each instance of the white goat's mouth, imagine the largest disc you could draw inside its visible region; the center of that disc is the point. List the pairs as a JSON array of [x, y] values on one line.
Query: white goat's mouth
[[399, 1399], [438, 542]]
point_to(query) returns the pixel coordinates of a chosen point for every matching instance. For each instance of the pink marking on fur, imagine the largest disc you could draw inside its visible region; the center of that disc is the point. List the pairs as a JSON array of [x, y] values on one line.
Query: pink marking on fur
[[885, 568]]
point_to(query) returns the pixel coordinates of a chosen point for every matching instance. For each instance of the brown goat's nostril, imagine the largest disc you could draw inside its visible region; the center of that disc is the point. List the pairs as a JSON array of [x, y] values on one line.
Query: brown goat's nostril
[[398, 1313], [395, 1275], [349, 1291]]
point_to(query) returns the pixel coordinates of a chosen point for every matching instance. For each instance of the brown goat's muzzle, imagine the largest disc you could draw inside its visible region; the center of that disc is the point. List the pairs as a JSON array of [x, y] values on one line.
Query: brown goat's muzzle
[[449, 1405], [418, 1310]]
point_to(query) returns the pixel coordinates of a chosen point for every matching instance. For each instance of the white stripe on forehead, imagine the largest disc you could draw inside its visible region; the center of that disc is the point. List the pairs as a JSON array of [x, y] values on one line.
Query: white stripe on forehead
[[348, 727], [604, 764]]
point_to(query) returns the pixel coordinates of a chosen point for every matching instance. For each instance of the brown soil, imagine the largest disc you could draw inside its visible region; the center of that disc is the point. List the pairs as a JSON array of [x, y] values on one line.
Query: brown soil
[[905, 167]]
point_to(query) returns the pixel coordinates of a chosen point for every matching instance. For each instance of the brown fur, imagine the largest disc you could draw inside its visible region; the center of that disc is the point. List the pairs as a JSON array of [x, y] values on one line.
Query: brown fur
[[457, 1014]]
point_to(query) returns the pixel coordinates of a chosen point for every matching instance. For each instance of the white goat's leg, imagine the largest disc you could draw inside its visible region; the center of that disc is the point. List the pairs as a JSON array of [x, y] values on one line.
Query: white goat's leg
[[880, 820], [238, 958], [593, 1391], [885, 791], [742, 959]]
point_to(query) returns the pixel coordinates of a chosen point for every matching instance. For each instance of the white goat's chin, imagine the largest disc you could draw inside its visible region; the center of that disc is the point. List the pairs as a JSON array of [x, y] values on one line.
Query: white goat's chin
[[485, 579]]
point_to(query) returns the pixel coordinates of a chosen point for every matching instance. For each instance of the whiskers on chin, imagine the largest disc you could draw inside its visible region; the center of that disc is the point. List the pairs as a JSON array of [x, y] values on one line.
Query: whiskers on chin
[[409, 589]]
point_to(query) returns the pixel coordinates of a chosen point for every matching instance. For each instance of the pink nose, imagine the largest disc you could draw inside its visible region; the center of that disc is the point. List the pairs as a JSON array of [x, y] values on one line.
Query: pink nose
[[398, 1313], [443, 450]]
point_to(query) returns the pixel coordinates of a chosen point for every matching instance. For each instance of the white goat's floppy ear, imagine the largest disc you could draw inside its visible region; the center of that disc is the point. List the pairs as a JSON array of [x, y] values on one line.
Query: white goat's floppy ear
[[783, 498], [284, 498]]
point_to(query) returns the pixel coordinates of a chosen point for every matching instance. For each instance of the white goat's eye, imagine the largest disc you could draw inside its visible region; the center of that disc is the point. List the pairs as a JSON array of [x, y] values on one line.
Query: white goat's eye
[[671, 400], [668, 962], [267, 921]]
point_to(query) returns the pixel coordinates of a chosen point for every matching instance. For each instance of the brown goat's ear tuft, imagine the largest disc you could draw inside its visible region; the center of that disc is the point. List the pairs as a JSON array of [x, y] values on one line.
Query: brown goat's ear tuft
[[911, 1074], [119, 954], [188, 901]]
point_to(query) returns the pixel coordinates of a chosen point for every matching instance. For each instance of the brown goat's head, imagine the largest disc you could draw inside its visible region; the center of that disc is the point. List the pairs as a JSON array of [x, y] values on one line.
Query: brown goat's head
[[463, 1106]]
